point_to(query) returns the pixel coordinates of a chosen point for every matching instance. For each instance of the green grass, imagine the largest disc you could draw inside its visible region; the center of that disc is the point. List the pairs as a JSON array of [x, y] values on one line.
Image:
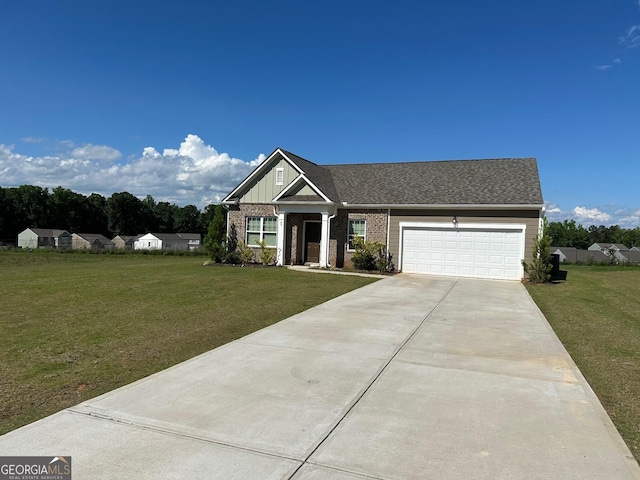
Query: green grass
[[596, 315], [73, 326]]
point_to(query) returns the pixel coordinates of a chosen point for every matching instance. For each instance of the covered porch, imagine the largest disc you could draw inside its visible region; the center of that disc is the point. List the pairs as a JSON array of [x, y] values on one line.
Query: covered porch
[[303, 235]]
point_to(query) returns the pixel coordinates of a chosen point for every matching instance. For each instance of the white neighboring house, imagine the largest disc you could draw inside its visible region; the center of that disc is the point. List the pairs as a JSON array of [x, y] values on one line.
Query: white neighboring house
[[168, 241]]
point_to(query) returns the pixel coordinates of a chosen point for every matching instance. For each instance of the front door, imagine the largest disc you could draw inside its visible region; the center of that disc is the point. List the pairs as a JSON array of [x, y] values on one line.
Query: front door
[[312, 236]]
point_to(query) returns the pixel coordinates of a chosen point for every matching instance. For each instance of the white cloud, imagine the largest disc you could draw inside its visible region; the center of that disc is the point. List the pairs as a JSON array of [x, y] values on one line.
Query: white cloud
[[583, 213], [603, 68], [195, 173], [32, 140], [96, 152], [631, 38]]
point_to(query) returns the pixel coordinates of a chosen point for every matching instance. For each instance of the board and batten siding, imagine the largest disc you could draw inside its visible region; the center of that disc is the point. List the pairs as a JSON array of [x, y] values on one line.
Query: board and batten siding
[[263, 189], [530, 218]]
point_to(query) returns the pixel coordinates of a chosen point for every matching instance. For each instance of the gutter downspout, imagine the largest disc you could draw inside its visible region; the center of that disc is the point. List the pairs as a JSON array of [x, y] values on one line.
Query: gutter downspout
[[331, 217]]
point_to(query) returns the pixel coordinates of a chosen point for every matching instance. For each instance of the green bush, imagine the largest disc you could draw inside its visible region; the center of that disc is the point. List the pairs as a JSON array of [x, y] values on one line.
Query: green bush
[[246, 253], [539, 270], [371, 256], [267, 254]]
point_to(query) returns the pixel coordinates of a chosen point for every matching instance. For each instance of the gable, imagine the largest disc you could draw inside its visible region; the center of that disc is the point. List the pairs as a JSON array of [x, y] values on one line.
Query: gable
[[501, 182], [264, 187]]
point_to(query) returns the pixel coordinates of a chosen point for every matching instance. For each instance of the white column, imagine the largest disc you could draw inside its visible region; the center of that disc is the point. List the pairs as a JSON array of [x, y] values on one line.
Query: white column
[[281, 238], [324, 240]]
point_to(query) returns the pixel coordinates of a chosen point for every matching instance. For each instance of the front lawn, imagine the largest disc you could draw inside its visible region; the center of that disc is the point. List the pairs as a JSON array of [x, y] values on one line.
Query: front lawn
[[596, 315], [73, 326]]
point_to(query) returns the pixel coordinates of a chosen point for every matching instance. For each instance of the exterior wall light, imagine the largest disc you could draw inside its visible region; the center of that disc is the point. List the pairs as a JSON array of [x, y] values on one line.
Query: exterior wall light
[[454, 220]]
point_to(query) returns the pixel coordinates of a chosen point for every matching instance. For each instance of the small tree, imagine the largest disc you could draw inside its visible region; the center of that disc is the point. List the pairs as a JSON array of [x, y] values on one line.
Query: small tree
[[611, 253], [539, 270], [246, 253], [232, 253], [267, 254], [214, 242]]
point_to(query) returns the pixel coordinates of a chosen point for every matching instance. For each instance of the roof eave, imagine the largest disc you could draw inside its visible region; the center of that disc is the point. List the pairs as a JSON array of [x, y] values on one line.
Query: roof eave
[[449, 206], [284, 202]]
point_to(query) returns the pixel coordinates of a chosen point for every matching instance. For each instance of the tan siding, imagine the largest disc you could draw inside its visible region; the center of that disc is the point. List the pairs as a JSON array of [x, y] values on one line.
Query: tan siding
[[264, 188], [525, 217]]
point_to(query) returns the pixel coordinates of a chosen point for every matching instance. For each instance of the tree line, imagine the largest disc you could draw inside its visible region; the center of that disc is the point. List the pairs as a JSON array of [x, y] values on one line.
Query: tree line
[[122, 213], [571, 234]]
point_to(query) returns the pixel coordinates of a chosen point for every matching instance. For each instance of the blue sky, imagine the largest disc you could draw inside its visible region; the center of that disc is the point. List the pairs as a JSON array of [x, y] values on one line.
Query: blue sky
[[181, 100]]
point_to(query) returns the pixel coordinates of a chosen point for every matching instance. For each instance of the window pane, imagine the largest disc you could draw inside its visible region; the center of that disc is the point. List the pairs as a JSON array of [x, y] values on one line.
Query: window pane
[[270, 239], [253, 239], [253, 224], [270, 224], [357, 227]]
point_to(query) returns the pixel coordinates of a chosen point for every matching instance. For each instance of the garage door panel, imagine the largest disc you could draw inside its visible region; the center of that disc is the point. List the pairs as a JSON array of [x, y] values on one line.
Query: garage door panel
[[462, 252]]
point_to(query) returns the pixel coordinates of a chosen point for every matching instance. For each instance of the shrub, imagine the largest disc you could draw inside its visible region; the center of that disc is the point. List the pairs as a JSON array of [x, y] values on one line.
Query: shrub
[[539, 270], [245, 252], [371, 256], [267, 254]]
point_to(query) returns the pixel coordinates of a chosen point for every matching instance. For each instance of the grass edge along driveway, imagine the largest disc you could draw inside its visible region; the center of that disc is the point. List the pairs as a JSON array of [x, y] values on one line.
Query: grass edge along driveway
[[74, 326], [596, 315]]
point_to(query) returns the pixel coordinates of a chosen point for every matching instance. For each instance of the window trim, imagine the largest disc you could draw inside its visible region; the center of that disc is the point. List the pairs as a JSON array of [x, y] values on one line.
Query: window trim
[[261, 232], [280, 176], [349, 236]]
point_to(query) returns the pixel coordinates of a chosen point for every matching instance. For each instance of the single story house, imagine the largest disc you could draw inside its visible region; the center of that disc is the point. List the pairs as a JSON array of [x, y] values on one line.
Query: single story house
[[607, 247], [44, 238], [167, 241], [90, 241], [124, 241], [621, 252], [475, 218], [194, 240]]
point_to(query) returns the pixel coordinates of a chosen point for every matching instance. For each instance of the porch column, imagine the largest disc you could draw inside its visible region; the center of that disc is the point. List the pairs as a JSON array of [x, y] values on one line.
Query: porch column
[[324, 240], [282, 216]]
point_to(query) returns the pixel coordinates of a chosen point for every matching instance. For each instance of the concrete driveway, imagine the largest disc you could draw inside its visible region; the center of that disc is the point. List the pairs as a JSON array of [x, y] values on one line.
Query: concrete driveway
[[411, 377]]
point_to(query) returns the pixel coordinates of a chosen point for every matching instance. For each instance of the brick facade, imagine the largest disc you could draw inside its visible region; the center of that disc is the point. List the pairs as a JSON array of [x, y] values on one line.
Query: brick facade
[[339, 256], [376, 231]]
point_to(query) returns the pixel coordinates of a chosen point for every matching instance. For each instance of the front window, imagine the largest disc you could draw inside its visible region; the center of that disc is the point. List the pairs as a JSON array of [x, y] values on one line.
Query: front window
[[262, 228], [357, 228]]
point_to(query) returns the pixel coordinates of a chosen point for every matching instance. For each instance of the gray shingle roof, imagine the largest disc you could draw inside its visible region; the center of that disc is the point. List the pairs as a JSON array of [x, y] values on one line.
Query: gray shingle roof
[[319, 176], [503, 181], [496, 181], [631, 256], [91, 237], [48, 232], [177, 236]]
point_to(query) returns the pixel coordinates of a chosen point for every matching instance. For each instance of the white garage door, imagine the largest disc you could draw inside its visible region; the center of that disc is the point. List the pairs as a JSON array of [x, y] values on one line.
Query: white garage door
[[463, 252]]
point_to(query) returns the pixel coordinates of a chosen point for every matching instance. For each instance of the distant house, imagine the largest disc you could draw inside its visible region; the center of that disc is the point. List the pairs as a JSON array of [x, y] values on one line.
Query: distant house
[[573, 255], [44, 238], [606, 247], [628, 256], [194, 240], [124, 241], [91, 241], [168, 241]]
